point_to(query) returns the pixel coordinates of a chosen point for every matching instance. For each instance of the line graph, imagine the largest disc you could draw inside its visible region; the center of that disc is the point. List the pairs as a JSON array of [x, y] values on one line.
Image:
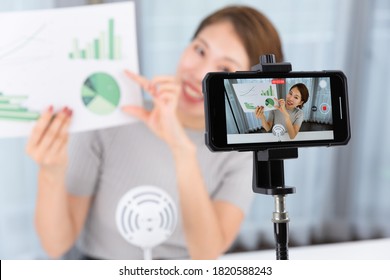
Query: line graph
[[19, 44], [250, 91]]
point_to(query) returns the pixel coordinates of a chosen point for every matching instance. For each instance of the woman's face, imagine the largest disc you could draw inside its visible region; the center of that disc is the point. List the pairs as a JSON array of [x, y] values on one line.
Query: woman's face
[[216, 48], [293, 98]]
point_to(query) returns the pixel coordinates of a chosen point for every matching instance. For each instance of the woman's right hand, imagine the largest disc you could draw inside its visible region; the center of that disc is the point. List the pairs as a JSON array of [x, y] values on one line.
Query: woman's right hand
[[260, 112], [48, 142]]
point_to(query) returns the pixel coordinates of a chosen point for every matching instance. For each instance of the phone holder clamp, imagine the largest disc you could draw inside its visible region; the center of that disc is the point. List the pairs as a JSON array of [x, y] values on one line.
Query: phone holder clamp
[[268, 64]]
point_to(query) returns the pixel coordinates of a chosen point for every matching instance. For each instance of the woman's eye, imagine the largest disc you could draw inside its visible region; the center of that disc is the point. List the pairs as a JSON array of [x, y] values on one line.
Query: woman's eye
[[199, 50], [225, 69]]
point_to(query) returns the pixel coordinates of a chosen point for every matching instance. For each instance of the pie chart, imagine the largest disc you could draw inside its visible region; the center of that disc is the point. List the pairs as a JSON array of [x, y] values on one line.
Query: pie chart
[[100, 94], [269, 103]]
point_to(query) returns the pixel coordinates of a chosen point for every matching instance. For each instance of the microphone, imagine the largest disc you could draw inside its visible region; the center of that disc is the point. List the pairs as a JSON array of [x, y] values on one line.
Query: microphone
[[146, 216], [278, 130]]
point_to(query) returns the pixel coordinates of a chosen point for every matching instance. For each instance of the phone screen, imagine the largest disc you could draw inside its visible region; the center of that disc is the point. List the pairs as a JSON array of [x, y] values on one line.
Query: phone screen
[[262, 110], [266, 110]]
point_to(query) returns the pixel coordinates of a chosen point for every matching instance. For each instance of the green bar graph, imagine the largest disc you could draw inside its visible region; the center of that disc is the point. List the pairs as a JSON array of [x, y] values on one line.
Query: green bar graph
[[11, 109], [107, 45], [267, 92], [96, 48], [111, 39]]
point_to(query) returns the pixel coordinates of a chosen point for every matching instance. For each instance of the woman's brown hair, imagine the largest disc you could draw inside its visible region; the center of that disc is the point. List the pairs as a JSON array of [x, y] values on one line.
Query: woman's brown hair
[[257, 33]]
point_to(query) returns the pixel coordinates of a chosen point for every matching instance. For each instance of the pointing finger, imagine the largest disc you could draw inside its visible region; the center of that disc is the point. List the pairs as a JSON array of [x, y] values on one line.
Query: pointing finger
[[140, 80]]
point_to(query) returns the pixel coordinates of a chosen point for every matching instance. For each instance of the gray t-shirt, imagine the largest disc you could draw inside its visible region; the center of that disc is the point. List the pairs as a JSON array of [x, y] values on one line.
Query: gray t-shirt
[[107, 163], [296, 117]]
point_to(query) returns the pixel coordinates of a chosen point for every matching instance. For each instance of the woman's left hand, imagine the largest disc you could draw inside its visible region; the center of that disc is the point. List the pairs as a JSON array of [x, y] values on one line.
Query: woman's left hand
[[162, 119]]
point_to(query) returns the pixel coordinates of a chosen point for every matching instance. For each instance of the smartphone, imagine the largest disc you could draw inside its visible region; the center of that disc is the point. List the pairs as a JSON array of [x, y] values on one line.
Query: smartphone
[[249, 111]]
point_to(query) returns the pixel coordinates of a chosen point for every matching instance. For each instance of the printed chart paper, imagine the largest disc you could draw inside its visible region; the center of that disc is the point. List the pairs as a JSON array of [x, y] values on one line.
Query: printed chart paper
[[72, 57], [251, 95]]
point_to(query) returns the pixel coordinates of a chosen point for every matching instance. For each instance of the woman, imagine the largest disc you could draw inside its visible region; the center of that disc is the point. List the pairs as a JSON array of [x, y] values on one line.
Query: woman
[[289, 112], [79, 191]]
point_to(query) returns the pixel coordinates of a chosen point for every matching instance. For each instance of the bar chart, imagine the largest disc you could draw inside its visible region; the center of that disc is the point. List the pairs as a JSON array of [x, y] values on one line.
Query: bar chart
[[12, 110], [106, 46], [250, 106], [267, 92]]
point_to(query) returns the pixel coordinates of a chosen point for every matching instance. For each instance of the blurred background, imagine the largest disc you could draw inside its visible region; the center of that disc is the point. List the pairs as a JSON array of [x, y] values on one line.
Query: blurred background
[[343, 193]]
